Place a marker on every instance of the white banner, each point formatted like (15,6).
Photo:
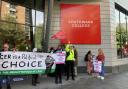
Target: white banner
(22,60)
(59,57)
(28,62)
(97,66)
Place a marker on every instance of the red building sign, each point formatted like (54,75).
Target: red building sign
(81,23)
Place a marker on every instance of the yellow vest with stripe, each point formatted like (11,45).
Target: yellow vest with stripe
(70,57)
(67,47)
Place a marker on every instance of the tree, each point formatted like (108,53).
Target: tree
(121,35)
(11,31)
(38,36)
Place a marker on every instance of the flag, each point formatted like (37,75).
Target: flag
(59,35)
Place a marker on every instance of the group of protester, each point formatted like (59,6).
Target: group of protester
(71,61)
(69,66)
(90,59)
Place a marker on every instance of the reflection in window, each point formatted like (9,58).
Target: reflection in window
(121,34)
(13,13)
(12,6)
(22,22)
(38,20)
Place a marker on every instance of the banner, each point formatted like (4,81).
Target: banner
(20,63)
(81,23)
(97,66)
(59,57)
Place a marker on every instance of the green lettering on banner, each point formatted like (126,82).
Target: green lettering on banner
(21,72)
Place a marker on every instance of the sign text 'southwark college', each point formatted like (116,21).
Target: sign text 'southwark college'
(81,23)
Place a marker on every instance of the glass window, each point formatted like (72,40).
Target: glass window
(12,6)
(12,13)
(25,31)
(121,34)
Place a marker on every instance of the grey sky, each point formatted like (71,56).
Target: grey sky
(39,17)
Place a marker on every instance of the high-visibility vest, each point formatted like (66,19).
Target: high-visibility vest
(67,47)
(70,57)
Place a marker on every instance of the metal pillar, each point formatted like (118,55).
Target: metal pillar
(48,25)
(0,8)
(31,29)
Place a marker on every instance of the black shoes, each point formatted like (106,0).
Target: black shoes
(8,87)
(56,82)
(34,84)
(37,82)
(73,78)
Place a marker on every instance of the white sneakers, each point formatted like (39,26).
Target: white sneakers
(100,77)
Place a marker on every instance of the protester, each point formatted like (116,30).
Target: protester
(70,61)
(101,58)
(52,50)
(59,67)
(89,62)
(5,49)
(49,61)
(35,76)
(76,60)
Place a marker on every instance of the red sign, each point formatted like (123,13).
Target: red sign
(81,23)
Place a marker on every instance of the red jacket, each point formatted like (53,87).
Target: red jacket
(100,58)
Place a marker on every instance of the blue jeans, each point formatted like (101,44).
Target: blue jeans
(7,78)
(102,70)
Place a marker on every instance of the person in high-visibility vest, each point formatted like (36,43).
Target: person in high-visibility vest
(70,61)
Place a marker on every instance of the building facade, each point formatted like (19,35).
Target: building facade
(13,10)
(109,19)
(26,15)
(113,29)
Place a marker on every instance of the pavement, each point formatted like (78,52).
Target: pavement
(45,83)
(82,81)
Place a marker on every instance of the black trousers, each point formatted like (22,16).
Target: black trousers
(70,69)
(8,80)
(58,73)
(35,78)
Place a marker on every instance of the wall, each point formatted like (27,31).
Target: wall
(105,30)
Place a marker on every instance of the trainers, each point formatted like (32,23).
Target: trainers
(102,78)
(98,76)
